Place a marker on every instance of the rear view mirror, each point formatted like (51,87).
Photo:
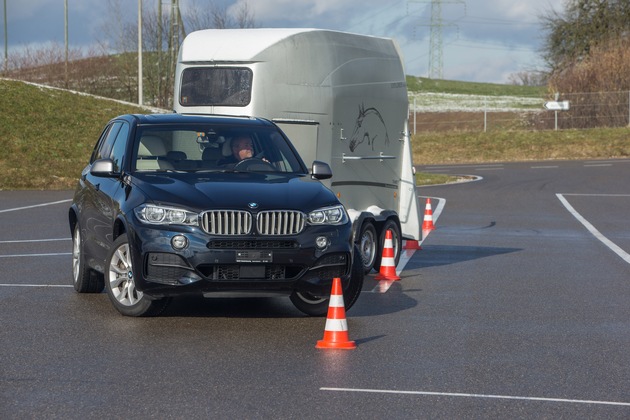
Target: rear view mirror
(321,170)
(103,168)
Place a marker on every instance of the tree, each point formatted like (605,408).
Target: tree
(584,24)
(161,35)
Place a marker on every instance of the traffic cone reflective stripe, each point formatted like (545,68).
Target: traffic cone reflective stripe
(388,263)
(427,224)
(336,330)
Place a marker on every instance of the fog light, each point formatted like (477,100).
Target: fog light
(179,242)
(321,242)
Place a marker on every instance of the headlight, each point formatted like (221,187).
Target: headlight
(161,215)
(335,215)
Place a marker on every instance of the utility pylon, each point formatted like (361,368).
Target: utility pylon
(436,47)
(436,63)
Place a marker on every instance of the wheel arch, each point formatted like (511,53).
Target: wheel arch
(72,218)
(120,227)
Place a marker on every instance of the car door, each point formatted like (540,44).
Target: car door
(100,208)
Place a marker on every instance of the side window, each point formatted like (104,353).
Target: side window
(104,147)
(120,145)
(99,143)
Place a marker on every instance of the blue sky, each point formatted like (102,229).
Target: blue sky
(482,40)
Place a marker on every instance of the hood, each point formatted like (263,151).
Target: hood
(234,191)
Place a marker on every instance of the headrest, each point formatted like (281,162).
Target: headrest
(151,146)
(227,148)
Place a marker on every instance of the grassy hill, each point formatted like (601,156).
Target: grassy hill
(47,135)
(425,85)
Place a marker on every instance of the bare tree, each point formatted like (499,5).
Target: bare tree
(529,78)
(214,16)
(163,29)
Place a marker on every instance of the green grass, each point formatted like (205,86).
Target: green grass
(48,135)
(422,84)
(519,145)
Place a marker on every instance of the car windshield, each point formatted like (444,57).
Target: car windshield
(214,148)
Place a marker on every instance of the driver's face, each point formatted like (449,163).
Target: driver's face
(242,148)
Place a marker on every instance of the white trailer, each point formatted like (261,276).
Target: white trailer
(340,97)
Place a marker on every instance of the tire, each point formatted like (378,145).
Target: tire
(396,242)
(121,287)
(85,280)
(368,246)
(318,305)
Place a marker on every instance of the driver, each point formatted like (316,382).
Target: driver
(242,148)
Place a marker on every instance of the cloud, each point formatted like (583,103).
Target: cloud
(328,14)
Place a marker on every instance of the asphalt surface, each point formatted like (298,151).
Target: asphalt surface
(517,306)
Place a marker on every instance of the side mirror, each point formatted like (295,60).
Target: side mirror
(321,170)
(103,168)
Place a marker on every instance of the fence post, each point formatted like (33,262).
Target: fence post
(485,114)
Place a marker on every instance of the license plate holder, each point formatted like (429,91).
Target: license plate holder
(254,256)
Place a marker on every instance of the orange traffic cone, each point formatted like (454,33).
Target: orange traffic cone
(427,224)
(412,244)
(336,330)
(388,264)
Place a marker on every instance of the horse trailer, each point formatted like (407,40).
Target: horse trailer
(339,97)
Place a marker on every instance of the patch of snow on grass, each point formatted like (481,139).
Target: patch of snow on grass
(446,102)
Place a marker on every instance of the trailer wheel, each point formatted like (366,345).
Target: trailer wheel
(396,242)
(368,246)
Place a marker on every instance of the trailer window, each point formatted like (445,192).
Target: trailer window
(216,86)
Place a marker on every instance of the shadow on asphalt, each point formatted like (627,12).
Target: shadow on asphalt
(439,255)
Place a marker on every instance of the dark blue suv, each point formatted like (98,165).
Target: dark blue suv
(167,207)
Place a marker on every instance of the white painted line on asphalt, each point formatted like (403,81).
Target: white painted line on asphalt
(490,396)
(611,161)
(596,195)
(595,165)
(36,205)
(35,255)
(481,168)
(610,244)
(545,167)
(496,165)
(22,241)
(35,285)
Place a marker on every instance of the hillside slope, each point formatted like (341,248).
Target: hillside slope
(47,135)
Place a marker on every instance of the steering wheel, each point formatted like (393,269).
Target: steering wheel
(254,164)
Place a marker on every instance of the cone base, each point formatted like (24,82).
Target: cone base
(344,345)
(412,245)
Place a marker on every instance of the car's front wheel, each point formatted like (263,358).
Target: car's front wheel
(121,286)
(318,305)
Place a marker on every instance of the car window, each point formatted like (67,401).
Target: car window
(209,147)
(105,144)
(117,154)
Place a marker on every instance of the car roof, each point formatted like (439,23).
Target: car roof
(174,118)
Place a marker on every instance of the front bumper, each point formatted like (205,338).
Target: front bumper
(211,264)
